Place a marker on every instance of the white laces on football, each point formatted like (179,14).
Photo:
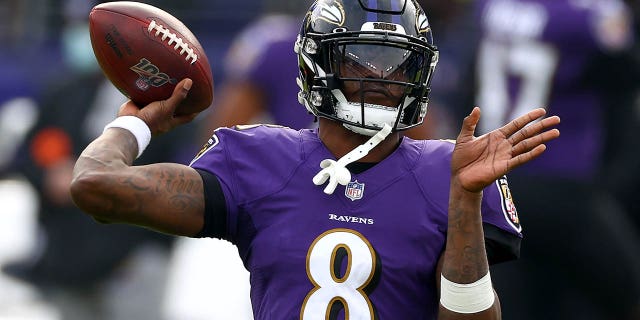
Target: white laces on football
(336,171)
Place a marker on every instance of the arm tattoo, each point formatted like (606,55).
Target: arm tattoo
(465,255)
(167,197)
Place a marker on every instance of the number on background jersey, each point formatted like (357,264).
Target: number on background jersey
(513,49)
(332,290)
(533,63)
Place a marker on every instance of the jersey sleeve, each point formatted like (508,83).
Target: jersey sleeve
(501,246)
(215,208)
(498,207)
(502,229)
(218,179)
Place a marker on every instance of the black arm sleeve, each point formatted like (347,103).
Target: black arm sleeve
(215,208)
(501,245)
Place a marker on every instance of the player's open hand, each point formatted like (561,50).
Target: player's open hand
(160,115)
(478,161)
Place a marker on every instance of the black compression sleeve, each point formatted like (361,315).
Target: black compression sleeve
(215,208)
(501,245)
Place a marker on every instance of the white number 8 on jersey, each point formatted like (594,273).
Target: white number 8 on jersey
(324,259)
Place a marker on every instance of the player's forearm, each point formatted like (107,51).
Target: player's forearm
(96,169)
(465,259)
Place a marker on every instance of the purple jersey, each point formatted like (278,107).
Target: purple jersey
(370,248)
(537,53)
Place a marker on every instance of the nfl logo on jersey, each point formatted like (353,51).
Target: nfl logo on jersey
(354,190)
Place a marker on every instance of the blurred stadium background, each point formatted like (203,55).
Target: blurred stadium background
(46,66)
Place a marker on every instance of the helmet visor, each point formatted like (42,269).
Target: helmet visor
(376,62)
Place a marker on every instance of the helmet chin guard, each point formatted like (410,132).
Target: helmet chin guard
(377,115)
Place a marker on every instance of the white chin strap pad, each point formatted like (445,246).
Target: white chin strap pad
(336,171)
(376,115)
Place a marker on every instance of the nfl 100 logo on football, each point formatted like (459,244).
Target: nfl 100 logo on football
(354,190)
(150,75)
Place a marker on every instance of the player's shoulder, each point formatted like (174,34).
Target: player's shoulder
(438,150)
(258,140)
(253,161)
(441,145)
(258,130)
(430,158)
(258,136)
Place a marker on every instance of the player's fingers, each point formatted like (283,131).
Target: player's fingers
(469,124)
(526,157)
(529,144)
(182,119)
(512,127)
(179,93)
(533,129)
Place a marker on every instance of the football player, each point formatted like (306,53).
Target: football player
(349,220)
(560,55)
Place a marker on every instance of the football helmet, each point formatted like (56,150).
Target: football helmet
(366,63)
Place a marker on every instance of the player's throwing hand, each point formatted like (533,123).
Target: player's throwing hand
(160,115)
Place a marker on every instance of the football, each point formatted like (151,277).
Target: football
(145,51)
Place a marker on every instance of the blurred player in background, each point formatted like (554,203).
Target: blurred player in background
(18,198)
(336,250)
(45,56)
(622,175)
(259,83)
(580,257)
(22,56)
(451,89)
(82,268)
(80,265)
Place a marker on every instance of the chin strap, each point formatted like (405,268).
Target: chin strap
(337,172)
